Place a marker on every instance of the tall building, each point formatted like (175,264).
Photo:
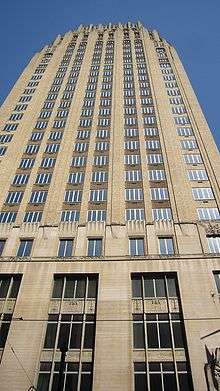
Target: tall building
(109,220)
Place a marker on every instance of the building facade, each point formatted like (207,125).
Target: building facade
(109,220)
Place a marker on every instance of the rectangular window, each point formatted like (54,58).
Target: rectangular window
(72,196)
(55,136)
(79,161)
(197,175)
(154,159)
(94,247)
(202,193)
(5,138)
(26,163)
(152,144)
(2,150)
(134,194)
(65,248)
(52,148)
(76,178)
(70,215)
(150,132)
(33,217)
(38,197)
(156,175)
(133,176)
(192,159)
(20,179)
(14,197)
(134,214)
(188,144)
(100,176)
(136,246)
(131,132)
(166,246)
(132,160)
(96,215)
(48,162)
(43,178)
(37,136)
(217,281)
(98,195)
(162,214)
(2,245)
(208,214)
(7,217)
(25,248)
(159,193)
(131,145)
(213,244)
(185,132)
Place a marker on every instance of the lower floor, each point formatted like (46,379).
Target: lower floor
(119,325)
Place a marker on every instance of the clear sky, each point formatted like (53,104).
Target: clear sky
(192,26)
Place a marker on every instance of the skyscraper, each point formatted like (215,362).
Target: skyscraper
(109,220)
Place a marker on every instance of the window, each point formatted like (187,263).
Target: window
(26,163)
(192,159)
(159,193)
(33,217)
(38,197)
(55,136)
(81,147)
(41,125)
(79,161)
(197,175)
(100,176)
(134,194)
(48,162)
(94,247)
(25,248)
(217,281)
(131,145)
(2,150)
(2,245)
(10,127)
(162,214)
(70,215)
(156,175)
(136,246)
(76,178)
(150,132)
(52,148)
(185,132)
(152,144)
(101,160)
(7,217)
(131,132)
(162,376)
(14,197)
(202,193)
(82,134)
(188,144)
(9,288)
(214,244)
(32,149)
(132,160)
(5,138)
(72,196)
(43,179)
(65,248)
(59,124)
(103,133)
(133,176)
(98,195)
(134,214)
(208,214)
(166,246)
(154,159)
(20,179)
(37,136)
(96,215)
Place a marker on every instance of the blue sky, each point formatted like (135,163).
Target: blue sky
(192,26)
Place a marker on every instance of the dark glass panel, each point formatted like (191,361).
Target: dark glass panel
(172,290)
(160,287)
(178,335)
(138,335)
(92,288)
(69,288)
(15,287)
(86,382)
(89,337)
(50,337)
(136,287)
(76,334)
(57,288)
(4,333)
(169,382)
(152,335)
(4,285)
(43,382)
(64,335)
(139,367)
(81,288)
(2,245)
(55,382)
(71,382)
(140,382)
(165,337)
(184,382)
(148,287)
(155,382)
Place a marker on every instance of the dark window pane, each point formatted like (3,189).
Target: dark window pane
(152,335)
(155,382)
(98,247)
(184,382)
(86,382)
(140,382)
(2,245)
(15,287)
(64,335)
(140,246)
(3,333)
(65,248)
(160,287)
(89,337)
(69,248)
(55,382)
(43,382)
(92,288)
(71,382)
(138,335)
(25,248)
(139,367)
(178,335)
(165,338)
(149,287)
(57,287)
(76,334)
(169,382)
(154,366)
(4,285)
(50,336)
(70,288)
(217,281)
(171,282)
(136,287)
(81,288)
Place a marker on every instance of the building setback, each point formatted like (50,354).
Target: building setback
(109,220)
